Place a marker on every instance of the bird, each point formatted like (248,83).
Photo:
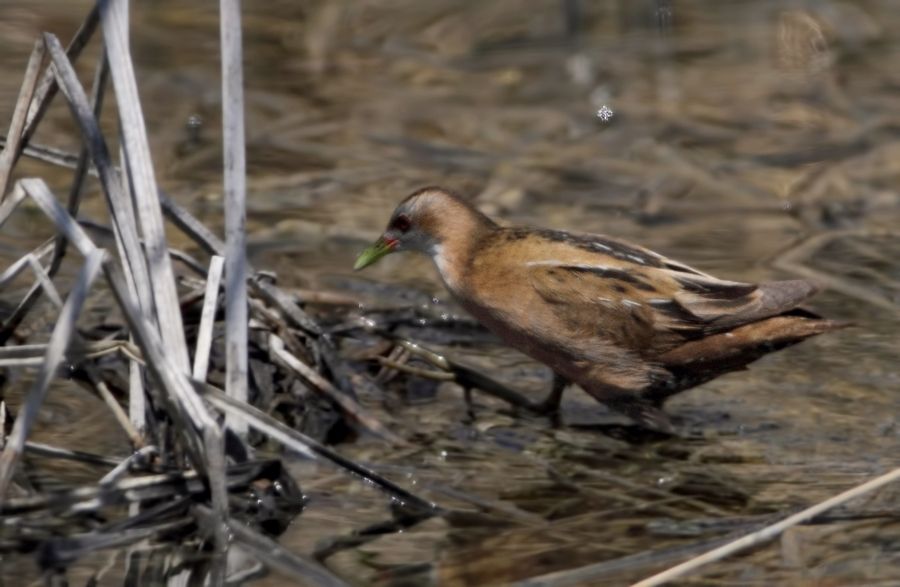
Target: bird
(627,325)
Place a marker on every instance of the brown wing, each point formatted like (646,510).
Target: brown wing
(646,301)
(587,300)
(651,308)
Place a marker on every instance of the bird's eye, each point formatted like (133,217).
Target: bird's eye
(401,223)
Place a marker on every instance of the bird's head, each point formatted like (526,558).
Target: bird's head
(422,223)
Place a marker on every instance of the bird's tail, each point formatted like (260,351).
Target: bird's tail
(698,361)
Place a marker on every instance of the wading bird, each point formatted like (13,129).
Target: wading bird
(627,325)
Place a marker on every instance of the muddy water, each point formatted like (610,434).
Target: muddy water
(753,139)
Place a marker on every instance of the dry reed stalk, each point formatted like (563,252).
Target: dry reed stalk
(74,194)
(114,22)
(236,310)
(769,532)
(158,265)
(121,212)
(142,282)
(47,87)
(186,407)
(9,205)
(32,260)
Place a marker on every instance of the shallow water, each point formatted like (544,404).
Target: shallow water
(753,139)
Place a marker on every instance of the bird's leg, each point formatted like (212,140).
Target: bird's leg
(470,404)
(551,404)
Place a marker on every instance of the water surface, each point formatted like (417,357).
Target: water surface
(753,139)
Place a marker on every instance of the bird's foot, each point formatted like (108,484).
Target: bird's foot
(646,415)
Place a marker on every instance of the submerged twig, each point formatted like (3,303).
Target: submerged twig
(346,403)
(45,450)
(306,446)
(467,377)
(137,441)
(424,373)
(275,556)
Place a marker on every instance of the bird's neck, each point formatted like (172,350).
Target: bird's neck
(460,238)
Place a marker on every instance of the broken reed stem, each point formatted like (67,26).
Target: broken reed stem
(137,399)
(63,332)
(81,169)
(205,239)
(208,318)
(13,150)
(83,350)
(236,310)
(17,124)
(216,465)
(769,532)
(121,469)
